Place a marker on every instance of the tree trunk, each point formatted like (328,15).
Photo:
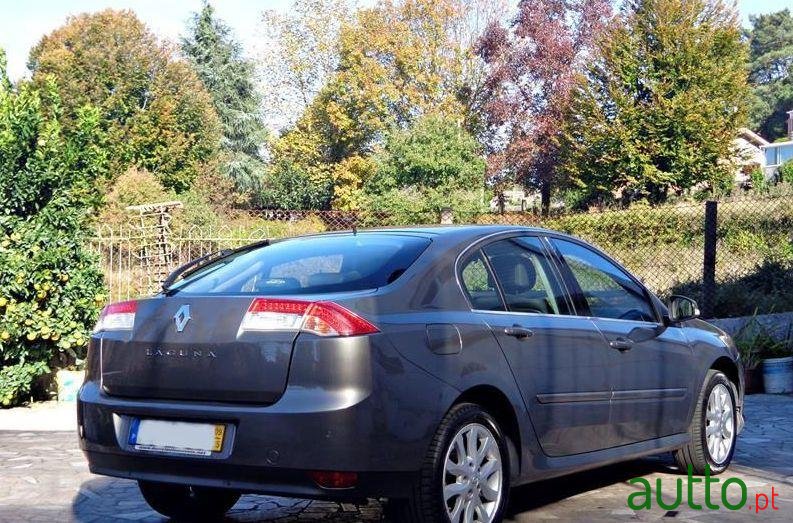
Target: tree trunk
(545,197)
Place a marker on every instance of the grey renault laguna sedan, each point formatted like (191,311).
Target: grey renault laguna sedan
(436,367)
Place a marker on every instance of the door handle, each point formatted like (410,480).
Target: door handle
(519,332)
(621,344)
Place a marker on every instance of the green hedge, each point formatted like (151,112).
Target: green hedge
(663,245)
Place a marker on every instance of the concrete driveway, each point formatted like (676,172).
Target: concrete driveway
(43,477)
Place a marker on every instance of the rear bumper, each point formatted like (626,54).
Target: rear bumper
(266,450)
(248,479)
(379,428)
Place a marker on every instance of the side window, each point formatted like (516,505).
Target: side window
(608,290)
(479,285)
(525,275)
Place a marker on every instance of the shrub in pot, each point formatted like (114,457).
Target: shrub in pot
(750,340)
(778,365)
(752,372)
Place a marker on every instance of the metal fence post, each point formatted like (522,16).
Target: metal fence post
(709,262)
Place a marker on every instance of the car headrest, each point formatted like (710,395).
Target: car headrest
(515,271)
(525,274)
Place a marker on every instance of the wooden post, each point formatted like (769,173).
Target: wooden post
(709,261)
(155,251)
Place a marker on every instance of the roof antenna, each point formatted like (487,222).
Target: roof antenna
(354,229)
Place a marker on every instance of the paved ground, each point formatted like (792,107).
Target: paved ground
(42,416)
(43,477)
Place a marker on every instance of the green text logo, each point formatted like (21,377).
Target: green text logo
(643,499)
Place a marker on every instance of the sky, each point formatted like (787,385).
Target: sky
(24,22)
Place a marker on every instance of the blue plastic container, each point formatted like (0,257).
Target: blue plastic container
(778,375)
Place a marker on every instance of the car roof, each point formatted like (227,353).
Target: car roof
(445,231)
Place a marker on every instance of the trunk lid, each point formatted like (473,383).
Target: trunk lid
(207,359)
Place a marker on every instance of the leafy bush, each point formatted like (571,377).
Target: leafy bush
(133,187)
(423,169)
(138,187)
(764,289)
(50,285)
(289,186)
(640,224)
(420,205)
(15,380)
(435,152)
(786,172)
(757,177)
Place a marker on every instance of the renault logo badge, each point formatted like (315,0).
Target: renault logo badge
(181,317)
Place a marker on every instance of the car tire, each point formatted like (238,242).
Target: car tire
(712,428)
(187,503)
(487,481)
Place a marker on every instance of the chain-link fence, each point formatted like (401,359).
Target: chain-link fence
(734,256)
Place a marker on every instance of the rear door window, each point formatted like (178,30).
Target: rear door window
(312,265)
(479,284)
(526,277)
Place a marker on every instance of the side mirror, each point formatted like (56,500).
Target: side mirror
(682,308)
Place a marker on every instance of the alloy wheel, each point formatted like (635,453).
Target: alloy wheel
(472,475)
(720,424)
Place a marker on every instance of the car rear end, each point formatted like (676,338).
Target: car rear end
(263,371)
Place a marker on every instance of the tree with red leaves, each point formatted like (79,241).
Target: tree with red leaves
(533,65)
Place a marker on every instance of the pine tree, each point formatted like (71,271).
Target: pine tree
(228,76)
(771,72)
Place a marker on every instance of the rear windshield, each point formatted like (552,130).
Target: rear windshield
(312,265)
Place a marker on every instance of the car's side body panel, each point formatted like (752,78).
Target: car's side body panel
(562,371)
(651,383)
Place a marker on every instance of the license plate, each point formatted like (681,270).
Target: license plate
(176,437)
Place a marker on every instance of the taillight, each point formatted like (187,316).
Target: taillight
(117,317)
(323,318)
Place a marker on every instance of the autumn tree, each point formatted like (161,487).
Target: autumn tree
(299,53)
(229,77)
(156,112)
(660,107)
(533,64)
(397,62)
(771,72)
